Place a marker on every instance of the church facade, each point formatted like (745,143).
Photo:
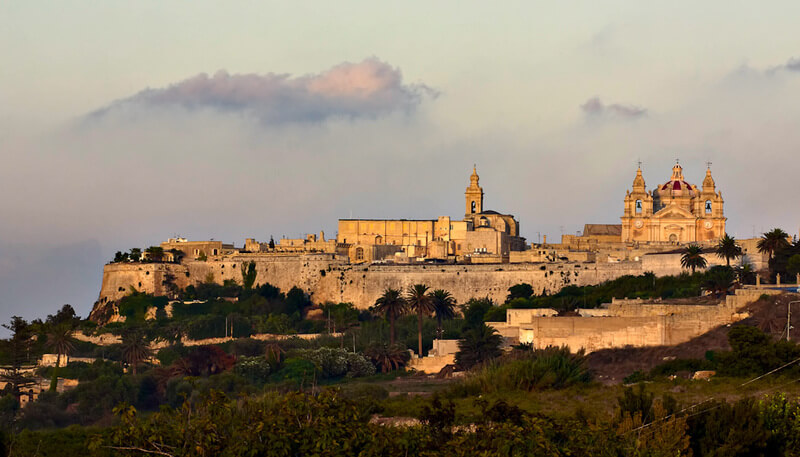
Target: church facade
(674,212)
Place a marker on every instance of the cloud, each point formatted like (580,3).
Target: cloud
(367,89)
(793,64)
(594,107)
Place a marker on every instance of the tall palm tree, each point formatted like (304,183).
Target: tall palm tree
(135,350)
(728,249)
(443,307)
(772,241)
(419,302)
(693,258)
(59,340)
(392,305)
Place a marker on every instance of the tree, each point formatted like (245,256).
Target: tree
(59,339)
(392,305)
(772,241)
(155,253)
(16,373)
(475,311)
(420,302)
(728,249)
(65,315)
(522,290)
(719,280)
(387,357)
(271,243)
(248,274)
(693,258)
(120,256)
(479,344)
(793,265)
(135,349)
(135,254)
(443,308)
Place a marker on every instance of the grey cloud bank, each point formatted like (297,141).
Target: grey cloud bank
(366,89)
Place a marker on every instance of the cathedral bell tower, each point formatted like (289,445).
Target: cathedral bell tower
(474,195)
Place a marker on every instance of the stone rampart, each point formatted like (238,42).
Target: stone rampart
(327,278)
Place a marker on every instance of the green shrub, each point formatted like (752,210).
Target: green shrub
(681,365)
(550,368)
(296,369)
(635,377)
(334,362)
(256,369)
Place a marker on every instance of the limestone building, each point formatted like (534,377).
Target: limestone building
(674,212)
(482,235)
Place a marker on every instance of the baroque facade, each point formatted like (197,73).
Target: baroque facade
(674,212)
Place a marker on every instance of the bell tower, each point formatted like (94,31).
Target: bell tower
(474,194)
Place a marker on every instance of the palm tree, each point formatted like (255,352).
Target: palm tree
(772,241)
(443,307)
(693,258)
(479,344)
(728,249)
(59,339)
(392,305)
(419,302)
(387,357)
(135,350)
(719,280)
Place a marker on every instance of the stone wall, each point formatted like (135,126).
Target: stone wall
(626,323)
(326,277)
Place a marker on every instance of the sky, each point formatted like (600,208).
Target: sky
(125,123)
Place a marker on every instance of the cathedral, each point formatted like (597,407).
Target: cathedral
(674,212)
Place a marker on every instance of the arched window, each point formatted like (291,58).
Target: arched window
(484,222)
(359,253)
(473,206)
(378,239)
(638,206)
(708,206)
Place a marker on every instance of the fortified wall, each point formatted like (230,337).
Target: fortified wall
(327,277)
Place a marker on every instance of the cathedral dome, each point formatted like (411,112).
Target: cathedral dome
(677,186)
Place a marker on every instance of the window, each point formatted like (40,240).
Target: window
(638,206)
(708,206)
(359,253)
(196,252)
(213,252)
(473,206)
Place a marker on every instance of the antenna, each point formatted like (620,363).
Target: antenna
(708,164)
(639,162)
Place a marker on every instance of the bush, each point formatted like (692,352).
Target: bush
(367,396)
(681,365)
(295,369)
(334,363)
(256,369)
(550,368)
